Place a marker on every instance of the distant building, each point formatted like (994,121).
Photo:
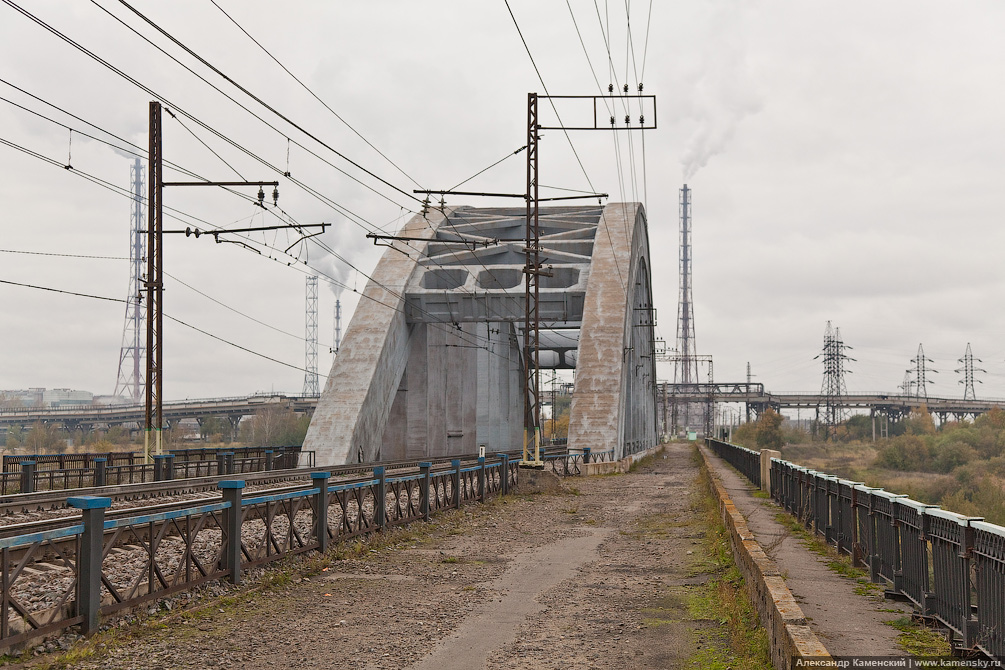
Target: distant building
(40,397)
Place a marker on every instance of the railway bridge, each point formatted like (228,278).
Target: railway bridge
(433,361)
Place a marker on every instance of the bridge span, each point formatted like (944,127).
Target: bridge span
(88,417)
(757,399)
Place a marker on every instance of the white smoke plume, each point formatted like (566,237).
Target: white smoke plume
(722,93)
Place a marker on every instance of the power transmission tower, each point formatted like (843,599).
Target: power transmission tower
(129,383)
(686,362)
(833,386)
(920,372)
(311,339)
(968,371)
(908,386)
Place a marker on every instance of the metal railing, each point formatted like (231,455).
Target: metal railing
(950,566)
(746,461)
(95,566)
(109,469)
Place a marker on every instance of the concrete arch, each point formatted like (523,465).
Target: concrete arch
(614,401)
(430,364)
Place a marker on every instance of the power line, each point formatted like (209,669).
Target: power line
(253,96)
(46,253)
(233,143)
(176,320)
(316,97)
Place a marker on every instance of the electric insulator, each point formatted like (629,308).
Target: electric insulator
(613,120)
(261,195)
(626,88)
(642,120)
(628,120)
(275,196)
(640,87)
(610,88)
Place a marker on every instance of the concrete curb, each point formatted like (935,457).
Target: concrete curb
(789,635)
(614,467)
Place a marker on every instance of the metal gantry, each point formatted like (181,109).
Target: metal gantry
(533,269)
(154,279)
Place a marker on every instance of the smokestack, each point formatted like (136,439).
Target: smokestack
(338,325)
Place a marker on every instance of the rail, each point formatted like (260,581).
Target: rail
(95,565)
(950,566)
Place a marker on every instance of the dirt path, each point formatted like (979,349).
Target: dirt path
(592,576)
(848,623)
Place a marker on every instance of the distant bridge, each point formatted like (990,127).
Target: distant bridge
(88,417)
(894,406)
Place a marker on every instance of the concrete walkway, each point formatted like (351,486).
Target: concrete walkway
(848,623)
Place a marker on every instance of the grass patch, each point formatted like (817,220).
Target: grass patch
(919,640)
(760,493)
(723,598)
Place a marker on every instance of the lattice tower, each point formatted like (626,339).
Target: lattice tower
(686,360)
(311,387)
(968,371)
(921,370)
(833,386)
(132,354)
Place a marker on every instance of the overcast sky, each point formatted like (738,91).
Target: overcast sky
(847,162)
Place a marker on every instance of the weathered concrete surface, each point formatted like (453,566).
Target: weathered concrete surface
(352,411)
(497,622)
(613,404)
(431,364)
(848,624)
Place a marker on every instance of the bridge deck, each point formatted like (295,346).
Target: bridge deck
(600,576)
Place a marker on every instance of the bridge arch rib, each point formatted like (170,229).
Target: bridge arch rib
(614,401)
(430,364)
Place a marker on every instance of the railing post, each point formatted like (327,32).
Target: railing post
(319,480)
(100,473)
(380,498)
(456,463)
(221,464)
(424,502)
(92,509)
(228,459)
(159,468)
(586,455)
(504,471)
(269,460)
(168,467)
(481,478)
(233,490)
(27,476)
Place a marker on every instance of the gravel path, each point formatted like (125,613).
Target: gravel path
(582,572)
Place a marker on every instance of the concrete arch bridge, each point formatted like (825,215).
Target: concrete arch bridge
(432,365)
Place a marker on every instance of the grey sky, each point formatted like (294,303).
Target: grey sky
(846,160)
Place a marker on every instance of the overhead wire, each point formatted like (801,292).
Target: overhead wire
(526,47)
(166,316)
(254,97)
(316,97)
(352,217)
(356,219)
